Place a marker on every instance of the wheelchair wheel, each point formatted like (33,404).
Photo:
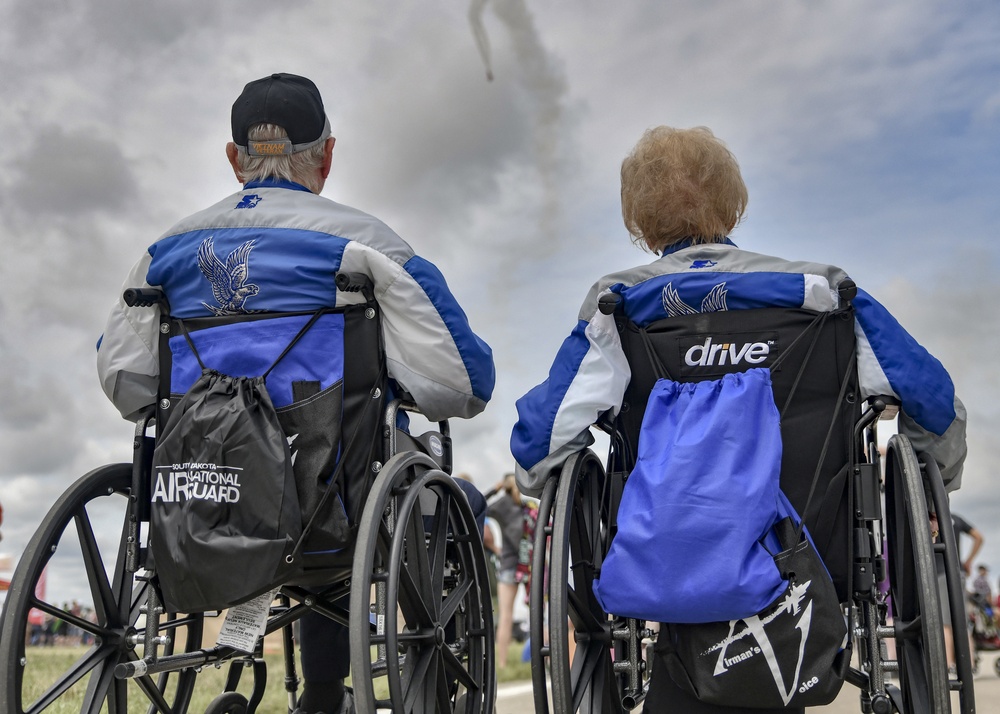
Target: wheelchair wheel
(598,679)
(228,703)
(71,660)
(421,610)
(919,634)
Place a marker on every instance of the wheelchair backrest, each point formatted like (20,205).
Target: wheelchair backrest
(810,356)
(322,388)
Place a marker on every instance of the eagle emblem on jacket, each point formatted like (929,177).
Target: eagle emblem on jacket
(229,279)
(715,301)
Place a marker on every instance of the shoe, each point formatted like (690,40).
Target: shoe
(346,705)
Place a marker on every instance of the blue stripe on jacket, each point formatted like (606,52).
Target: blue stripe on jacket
(536,410)
(475,353)
(280,257)
(743,291)
(918,378)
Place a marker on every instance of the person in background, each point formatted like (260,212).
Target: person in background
(507,509)
(981,584)
(961,528)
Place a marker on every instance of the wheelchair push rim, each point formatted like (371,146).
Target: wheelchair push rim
(918,625)
(430,645)
(578,538)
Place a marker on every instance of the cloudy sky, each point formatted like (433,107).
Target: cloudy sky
(868,133)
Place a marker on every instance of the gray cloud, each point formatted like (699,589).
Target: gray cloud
(69,173)
(867,134)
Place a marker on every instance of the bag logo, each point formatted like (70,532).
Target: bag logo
(715,301)
(205,482)
(229,280)
(708,354)
(792,604)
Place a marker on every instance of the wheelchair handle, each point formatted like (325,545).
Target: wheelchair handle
(355,282)
(144,297)
(607,304)
(847,289)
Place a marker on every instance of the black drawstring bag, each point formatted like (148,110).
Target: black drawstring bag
(225,516)
(793,653)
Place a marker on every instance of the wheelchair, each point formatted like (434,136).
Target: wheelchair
(420,611)
(584,659)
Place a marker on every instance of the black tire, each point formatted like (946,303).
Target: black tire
(435,650)
(228,703)
(580,540)
(923,668)
(539,599)
(72,541)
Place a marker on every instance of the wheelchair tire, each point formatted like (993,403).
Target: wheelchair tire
(579,541)
(228,703)
(70,543)
(918,624)
(420,570)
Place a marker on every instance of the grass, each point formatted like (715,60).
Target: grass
(46,664)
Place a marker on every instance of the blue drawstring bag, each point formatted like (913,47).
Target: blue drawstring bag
(697,512)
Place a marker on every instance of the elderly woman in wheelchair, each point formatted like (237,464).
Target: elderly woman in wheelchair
(737,390)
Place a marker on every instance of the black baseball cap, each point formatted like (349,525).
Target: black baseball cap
(286,100)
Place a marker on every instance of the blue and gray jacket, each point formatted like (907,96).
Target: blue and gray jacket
(590,373)
(275,246)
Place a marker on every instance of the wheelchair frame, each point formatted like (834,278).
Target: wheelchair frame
(420,614)
(610,665)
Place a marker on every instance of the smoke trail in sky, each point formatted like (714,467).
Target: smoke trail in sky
(542,85)
(479,32)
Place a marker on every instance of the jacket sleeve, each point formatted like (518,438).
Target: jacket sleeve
(891,362)
(588,376)
(431,349)
(127,353)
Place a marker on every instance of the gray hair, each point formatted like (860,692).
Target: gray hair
(299,168)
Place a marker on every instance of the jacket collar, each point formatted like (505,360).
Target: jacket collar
(275,183)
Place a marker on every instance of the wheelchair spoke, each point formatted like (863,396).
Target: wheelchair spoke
(413,605)
(105,604)
(101,682)
(583,613)
(417,559)
(155,694)
(439,540)
(61,614)
(79,669)
(416,681)
(443,695)
(457,669)
(454,600)
(583,675)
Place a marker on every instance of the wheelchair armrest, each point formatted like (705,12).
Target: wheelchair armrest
(886,406)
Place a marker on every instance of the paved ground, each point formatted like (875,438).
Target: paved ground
(515,698)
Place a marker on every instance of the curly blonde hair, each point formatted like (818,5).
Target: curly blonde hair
(681,183)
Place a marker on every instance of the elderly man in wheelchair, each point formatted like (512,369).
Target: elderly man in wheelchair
(271,349)
(740,394)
